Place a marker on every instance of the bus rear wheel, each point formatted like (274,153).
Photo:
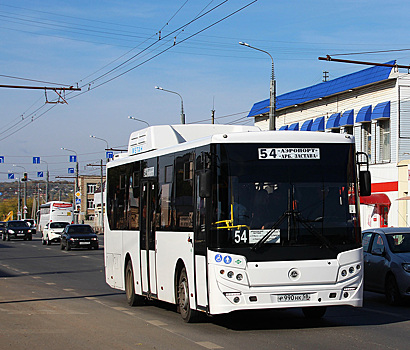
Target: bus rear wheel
(183,304)
(132,298)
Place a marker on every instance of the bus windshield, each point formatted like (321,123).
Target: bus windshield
(271,196)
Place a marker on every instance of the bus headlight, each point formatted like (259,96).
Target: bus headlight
(348,271)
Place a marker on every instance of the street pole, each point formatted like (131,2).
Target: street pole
(76,181)
(272,89)
(18,202)
(25,201)
(182,102)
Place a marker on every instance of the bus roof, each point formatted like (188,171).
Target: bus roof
(162,139)
(162,136)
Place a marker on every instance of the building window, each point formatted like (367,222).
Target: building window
(348,129)
(367,139)
(90,203)
(384,127)
(91,188)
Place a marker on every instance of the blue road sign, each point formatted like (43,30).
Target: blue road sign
(36,160)
(10,176)
(73,159)
(71,170)
(78,201)
(40,174)
(109,155)
(1,159)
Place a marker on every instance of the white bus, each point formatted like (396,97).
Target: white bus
(54,211)
(218,218)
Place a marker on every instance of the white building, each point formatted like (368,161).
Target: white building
(373,105)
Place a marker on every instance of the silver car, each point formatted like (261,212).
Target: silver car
(387,262)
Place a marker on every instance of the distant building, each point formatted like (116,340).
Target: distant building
(88,186)
(373,105)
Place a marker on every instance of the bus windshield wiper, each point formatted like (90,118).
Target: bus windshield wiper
(276,225)
(315,232)
(295,214)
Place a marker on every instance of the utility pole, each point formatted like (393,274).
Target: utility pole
(101,165)
(19,202)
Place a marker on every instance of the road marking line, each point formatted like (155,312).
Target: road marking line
(120,308)
(129,313)
(209,345)
(157,323)
(69,290)
(36,277)
(84,256)
(51,284)
(25,272)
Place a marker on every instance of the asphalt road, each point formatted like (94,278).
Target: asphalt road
(53,299)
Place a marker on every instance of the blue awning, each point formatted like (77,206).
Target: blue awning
(364,115)
(284,127)
(381,111)
(347,118)
(307,125)
(294,127)
(334,121)
(318,124)
(328,88)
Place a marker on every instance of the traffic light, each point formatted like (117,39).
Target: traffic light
(24,177)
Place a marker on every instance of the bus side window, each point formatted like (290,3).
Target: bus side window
(184,191)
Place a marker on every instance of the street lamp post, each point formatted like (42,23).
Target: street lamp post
(272,90)
(47,181)
(182,102)
(101,185)
(25,195)
(139,120)
(106,142)
(76,176)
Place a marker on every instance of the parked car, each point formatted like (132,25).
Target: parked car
(33,225)
(17,229)
(2,226)
(387,262)
(78,236)
(52,232)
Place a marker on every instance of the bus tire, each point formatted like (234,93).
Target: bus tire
(132,298)
(314,312)
(183,304)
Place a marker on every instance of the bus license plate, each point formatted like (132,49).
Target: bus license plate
(293,297)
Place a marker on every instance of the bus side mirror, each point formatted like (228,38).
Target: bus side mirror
(205,185)
(365,183)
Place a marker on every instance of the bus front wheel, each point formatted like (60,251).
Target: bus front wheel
(132,298)
(314,312)
(183,304)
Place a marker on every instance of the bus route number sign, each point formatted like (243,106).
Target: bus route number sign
(289,153)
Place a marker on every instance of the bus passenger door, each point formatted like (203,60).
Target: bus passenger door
(200,250)
(147,246)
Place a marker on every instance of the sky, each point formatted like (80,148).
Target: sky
(118,51)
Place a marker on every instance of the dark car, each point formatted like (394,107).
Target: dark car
(2,226)
(17,229)
(78,236)
(387,262)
